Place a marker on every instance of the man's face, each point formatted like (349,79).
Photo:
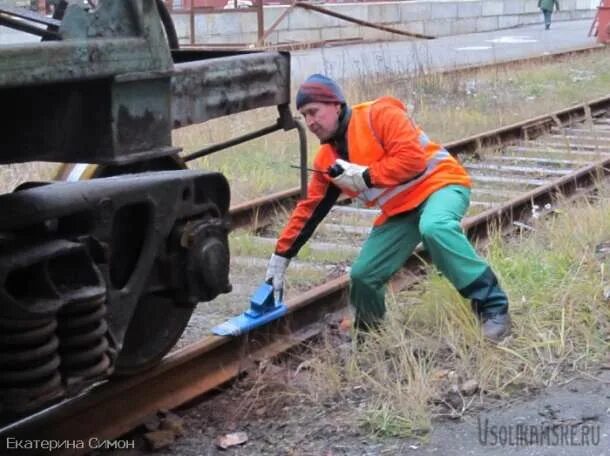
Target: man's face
(322,119)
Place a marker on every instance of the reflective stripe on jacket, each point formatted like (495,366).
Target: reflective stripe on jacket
(380,196)
(405,167)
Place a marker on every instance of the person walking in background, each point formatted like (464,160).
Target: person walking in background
(388,162)
(546,6)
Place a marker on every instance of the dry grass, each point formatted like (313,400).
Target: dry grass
(455,105)
(14,174)
(415,366)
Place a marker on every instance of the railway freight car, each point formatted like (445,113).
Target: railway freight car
(99,277)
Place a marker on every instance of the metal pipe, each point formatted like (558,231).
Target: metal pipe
(233,142)
(279,125)
(33,16)
(303,155)
(261,40)
(27,28)
(192,24)
(260,20)
(168,24)
(319,9)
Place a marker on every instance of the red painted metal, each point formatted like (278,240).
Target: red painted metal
(603,22)
(214,4)
(186,4)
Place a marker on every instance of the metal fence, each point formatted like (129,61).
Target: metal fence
(43,6)
(182,5)
(185,5)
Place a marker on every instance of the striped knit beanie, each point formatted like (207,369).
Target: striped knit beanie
(321,89)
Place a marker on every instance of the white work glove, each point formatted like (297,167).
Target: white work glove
(276,269)
(352,178)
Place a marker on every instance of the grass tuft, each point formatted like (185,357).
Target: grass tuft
(417,365)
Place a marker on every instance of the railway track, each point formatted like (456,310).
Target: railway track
(516,170)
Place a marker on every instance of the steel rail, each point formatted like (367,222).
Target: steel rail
(115,407)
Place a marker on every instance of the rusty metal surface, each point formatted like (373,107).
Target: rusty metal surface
(118,37)
(100,94)
(212,88)
(245,214)
(75,61)
(116,265)
(109,93)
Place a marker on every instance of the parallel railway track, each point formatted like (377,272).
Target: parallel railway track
(564,153)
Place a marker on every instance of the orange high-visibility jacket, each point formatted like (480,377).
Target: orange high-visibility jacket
(405,167)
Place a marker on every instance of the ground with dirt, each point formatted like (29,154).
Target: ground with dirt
(570,419)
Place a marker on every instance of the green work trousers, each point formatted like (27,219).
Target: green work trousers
(436,223)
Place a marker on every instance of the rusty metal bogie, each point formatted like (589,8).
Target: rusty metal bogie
(100,277)
(84,258)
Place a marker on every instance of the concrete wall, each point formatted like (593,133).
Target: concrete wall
(431,17)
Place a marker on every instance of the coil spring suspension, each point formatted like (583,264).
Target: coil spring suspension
(29,362)
(83,339)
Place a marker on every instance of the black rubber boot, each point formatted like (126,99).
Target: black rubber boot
(363,328)
(368,325)
(496,327)
(490,303)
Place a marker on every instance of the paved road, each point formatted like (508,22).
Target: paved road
(569,420)
(447,52)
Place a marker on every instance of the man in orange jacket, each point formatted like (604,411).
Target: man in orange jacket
(422,191)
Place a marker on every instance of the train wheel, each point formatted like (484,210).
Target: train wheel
(156,325)
(159,320)
(168,163)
